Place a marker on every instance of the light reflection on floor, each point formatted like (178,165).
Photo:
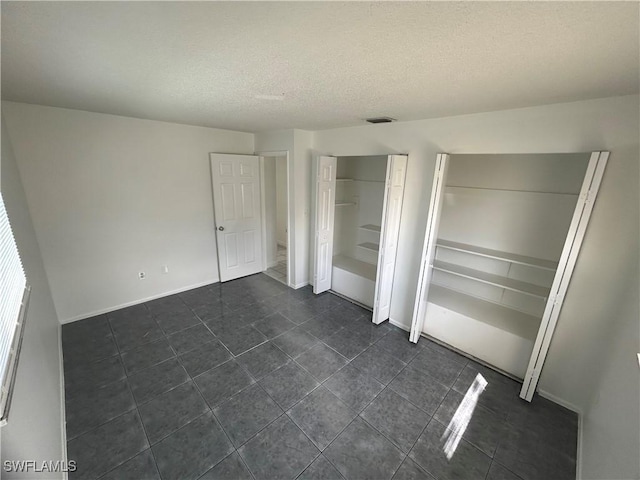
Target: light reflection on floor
(460,420)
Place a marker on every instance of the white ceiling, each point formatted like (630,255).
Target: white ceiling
(332,64)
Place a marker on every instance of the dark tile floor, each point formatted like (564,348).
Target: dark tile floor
(250,379)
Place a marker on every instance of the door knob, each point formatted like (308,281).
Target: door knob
(221,229)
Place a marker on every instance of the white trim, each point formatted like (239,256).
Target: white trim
(63,416)
(137,302)
(399,325)
(300,285)
(579,455)
(561,402)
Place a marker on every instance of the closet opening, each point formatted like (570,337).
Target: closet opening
(503,235)
(275,188)
(358,203)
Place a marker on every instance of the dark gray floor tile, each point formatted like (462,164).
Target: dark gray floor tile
(210,311)
(361,452)
(443,350)
(204,357)
(262,360)
(342,316)
(534,453)
(191,451)
(89,350)
(219,384)
(158,379)
(186,340)
(147,356)
(288,384)
(321,469)
(240,340)
(410,471)
(321,416)
(171,303)
(354,387)
(498,472)
(84,330)
(396,418)
(140,467)
(366,330)
(129,314)
(437,443)
(89,376)
(295,342)
(227,322)
(231,468)
(500,394)
(93,408)
(321,328)
(177,320)
(131,332)
(481,427)
(246,413)
(421,390)
(541,413)
(298,314)
(104,448)
(171,411)
(321,361)
(280,451)
(378,363)
(397,344)
(349,346)
(438,366)
(256,311)
(274,325)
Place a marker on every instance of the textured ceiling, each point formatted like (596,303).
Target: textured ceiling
(314,65)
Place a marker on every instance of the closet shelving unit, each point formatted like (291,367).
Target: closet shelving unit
(502,238)
(356,231)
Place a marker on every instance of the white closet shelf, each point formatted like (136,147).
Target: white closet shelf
(371,228)
(344,179)
(358,267)
(452,189)
(492,279)
(344,204)
(374,247)
(499,316)
(498,255)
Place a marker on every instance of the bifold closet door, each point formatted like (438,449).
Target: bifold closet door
(389,233)
(577,229)
(429,247)
(237,206)
(324,220)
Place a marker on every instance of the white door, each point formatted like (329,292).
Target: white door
(389,233)
(237,208)
(429,247)
(568,258)
(325,210)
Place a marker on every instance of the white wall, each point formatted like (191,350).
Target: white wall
(111,196)
(281,200)
(597,308)
(35,430)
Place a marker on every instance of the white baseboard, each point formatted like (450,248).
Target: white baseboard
(137,302)
(399,325)
(300,285)
(561,402)
(63,413)
(579,449)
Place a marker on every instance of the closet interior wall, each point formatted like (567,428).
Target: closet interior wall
(360,188)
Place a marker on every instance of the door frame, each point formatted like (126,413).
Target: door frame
(290,233)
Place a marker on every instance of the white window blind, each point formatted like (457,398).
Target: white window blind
(14,295)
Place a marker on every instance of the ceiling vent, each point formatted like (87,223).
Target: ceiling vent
(380,120)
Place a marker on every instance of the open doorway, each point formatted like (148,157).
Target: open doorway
(276,216)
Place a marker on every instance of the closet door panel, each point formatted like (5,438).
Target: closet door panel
(391,212)
(324,222)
